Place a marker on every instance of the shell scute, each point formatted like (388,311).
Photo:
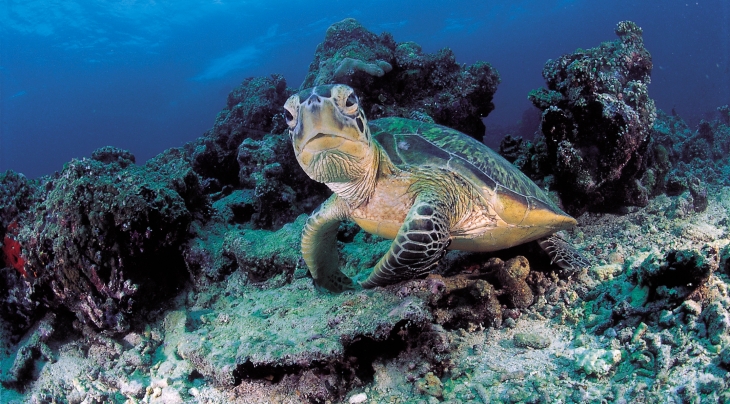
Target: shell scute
(424,144)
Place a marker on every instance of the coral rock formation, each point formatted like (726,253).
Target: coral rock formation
(678,273)
(398,79)
(281,190)
(18,195)
(512,277)
(31,348)
(682,160)
(253,109)
(246,148)
(596,120)
(104,242)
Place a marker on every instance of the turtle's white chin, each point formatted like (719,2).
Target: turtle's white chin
(323,142)
(329,158)
(331,166)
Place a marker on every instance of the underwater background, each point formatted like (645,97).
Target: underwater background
(148,75)
(158,230)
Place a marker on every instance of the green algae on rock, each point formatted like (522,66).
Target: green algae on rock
(295,328)
(597,362)
(531,340)
(267,257)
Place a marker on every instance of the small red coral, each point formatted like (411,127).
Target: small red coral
(11,249)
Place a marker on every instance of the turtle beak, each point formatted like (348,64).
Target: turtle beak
(324,138)
(322,127)
(318,129)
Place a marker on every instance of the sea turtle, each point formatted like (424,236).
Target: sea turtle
(425,186)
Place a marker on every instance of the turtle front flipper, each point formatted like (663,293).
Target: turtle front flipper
(563,254)
(319,245)
(418,246)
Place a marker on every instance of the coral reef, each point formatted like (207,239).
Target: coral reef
(349,66)
(678,273)
(484,294)
(19,303)
(17,195)
(601,147)
(281,190)
(104,242)
(512,276)
(463,302)
(350,54)
(223,247)
(113,155)
(247,337)
(11,249)
(252,110)
(398,79)
(596,121)
(246,148)
(685,161)
(184,282)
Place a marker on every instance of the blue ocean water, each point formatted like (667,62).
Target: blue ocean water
(149,75)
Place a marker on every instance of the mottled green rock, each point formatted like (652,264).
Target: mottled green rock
(717,320)
(294,326)
(597,362)
(725,358)
(430,385)
(531,340)
(725,259)
(639,295)
(105,240)
(639,332)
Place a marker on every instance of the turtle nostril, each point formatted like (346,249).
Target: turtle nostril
(313,98)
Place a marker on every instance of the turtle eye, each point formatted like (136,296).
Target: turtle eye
(290,120)
(351,100)
(290,113)
(291,110)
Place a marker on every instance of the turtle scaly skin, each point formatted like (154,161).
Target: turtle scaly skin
(427,187)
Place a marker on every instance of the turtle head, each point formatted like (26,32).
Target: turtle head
(329,133)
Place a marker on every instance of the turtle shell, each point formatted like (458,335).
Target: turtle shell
(414,143)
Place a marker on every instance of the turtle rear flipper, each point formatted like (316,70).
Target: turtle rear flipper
(563,254)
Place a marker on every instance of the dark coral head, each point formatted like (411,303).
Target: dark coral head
(628,31)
